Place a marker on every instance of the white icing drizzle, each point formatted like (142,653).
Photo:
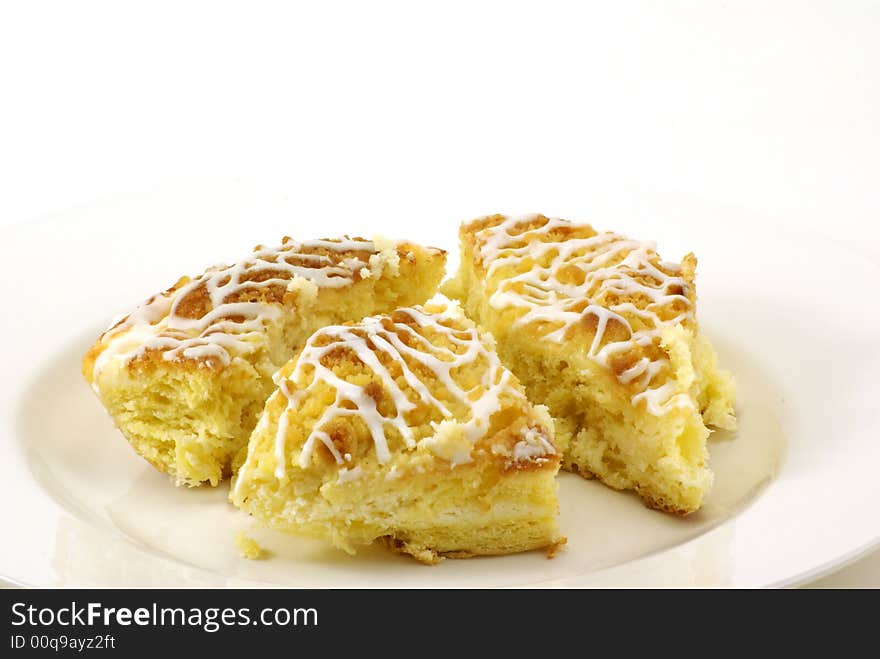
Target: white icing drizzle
(608,263)
(230,325)
(534,445)
(406,344)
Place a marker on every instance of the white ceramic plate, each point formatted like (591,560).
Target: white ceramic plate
(796,487)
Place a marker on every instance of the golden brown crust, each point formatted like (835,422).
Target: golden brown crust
(423,555)
(604,332)
(429,556)
(493,449)
(502,250)
(189,298)
(406,428)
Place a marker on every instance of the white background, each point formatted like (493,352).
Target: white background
(410,112)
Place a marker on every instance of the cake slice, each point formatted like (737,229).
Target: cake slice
(186,374)
(404,428)
(602,331)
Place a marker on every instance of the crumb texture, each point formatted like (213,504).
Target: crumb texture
(248,547)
